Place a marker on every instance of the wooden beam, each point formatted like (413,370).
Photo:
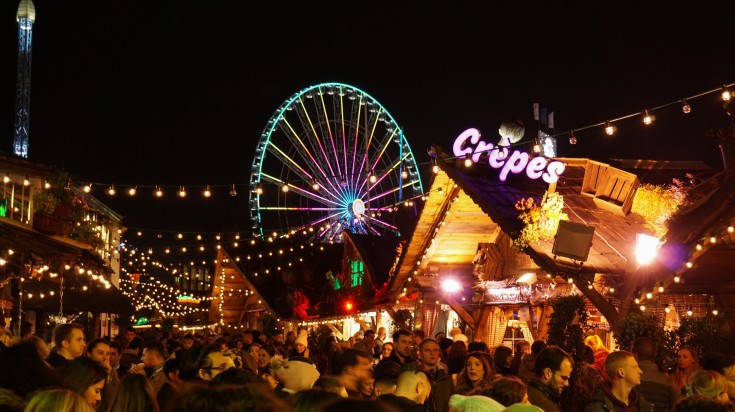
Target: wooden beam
(463,314)
(337,333)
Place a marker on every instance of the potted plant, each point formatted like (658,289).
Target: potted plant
(53,207)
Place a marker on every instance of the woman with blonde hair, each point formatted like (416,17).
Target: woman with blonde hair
(600,352)
(707,383)
(55,400)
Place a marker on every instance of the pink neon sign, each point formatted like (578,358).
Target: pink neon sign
(499,158)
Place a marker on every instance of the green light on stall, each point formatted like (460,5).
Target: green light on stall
(3,207)
(142,321)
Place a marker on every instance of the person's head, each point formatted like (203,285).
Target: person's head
(301,342)
(278,336)
(477,366)
(621,366)
(725,366)
(331,383)
(386,350)
(537,346)
(290,336)
(228,398)
(418,336)
(352,366)
(265,354)
(698,403)
(171,370)
(429,353)
(369,335)
(367,385)
(115,353)
(458,349)
(502,357)
(384,384)
(554,367)
(222,342)
(644,349)
(402,343)
(99,351)
(69,340)
(247,337)
(254,349)
(24,370)
(54,400)
(85,377)
(26,329)
(235,376)
(154,354)
(477,346)
(594,342)
(413,383)
(40,344)
(381,333)
(203,362)
(439,336)
(708,383)
(523,347)
(135,393)
(130,334)
(187,341)
(686,358)
(310,400)
(506,390)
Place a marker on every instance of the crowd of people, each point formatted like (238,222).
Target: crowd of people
(370,371)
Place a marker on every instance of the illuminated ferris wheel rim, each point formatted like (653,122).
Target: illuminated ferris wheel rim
(305,140)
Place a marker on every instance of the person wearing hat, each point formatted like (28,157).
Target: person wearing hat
(300,345)
(296,374)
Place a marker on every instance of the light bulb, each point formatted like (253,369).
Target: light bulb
(609,129)
(159,192)
(373,178)
(233,190)
(467,162)
(648,118)
(87,188)
(182,192)
(435,169)
(685,107)
(131,191)
(572,138)
(726,96)
(207,192)
(111,191)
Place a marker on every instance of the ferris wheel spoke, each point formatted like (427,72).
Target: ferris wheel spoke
(299,145)
(328,124)
(383,223)
(393,190)
(305,193)
(386,173)
(306,120)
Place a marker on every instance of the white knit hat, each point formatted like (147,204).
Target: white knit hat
(476,403)
(302,339)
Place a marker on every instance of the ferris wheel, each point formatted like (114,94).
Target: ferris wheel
(331,158)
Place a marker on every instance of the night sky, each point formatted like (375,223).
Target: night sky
(177,93)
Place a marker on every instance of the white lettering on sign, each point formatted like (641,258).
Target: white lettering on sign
(468,143)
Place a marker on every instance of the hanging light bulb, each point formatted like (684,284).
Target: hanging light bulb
(689,311)
(609,128)
(132,191)
(284,188)
(26,182)
(46,184)
(6,178)
(373,178)
(111,190)
(404,172)
(685,107)
(207,192)
(182,192)
(233,190)
(315,185)
(648,118)
(258,189)
(158,192)
(86,188)
(667,309)
(677,279)
(536,146)
(726,96)
(715,311)
(572,138)
(468,162)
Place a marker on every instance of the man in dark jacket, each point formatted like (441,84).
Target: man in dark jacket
(618,394)
(401,355)
(442,386)
(553,368)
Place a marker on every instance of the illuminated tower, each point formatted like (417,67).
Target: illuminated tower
(25,17)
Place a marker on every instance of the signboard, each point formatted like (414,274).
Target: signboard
(468,143)
(189,299)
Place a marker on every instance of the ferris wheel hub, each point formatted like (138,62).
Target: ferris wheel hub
(358,207)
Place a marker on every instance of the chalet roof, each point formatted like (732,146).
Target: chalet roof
(378,253)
